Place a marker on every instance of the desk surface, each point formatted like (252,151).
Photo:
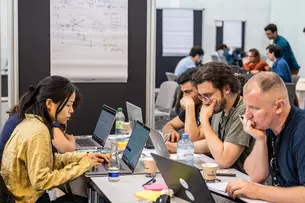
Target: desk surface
(131,184)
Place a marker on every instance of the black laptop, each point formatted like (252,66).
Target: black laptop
(187,182)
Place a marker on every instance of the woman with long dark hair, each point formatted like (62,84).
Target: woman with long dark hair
(30,165)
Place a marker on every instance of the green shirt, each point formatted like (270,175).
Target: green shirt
(230,129)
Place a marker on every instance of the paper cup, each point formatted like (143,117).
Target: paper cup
(209,171)
(150,167)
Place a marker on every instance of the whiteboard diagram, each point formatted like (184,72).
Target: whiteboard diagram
(89,40)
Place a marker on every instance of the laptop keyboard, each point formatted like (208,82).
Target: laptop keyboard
(85,143)
(221,199)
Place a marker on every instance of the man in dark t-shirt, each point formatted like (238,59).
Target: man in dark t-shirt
(189,115)
(278,128)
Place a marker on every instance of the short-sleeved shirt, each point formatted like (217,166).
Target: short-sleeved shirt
(291,153)
(197,112)
(287,52)
(281,68)
(183,65)
(230,129)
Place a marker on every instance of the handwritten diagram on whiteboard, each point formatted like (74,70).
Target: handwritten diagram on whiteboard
(89,40)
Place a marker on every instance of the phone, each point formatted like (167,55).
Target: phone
(225,172)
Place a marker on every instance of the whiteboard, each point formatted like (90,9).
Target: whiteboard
(89,40)
(232,33)
(178,32)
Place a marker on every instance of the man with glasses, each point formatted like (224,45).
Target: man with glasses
(225,139)
(189,115)
(278,128)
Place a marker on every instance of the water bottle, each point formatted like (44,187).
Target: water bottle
(185,150)
(119,122)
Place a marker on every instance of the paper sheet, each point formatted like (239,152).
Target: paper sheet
(221,187)
(89,40)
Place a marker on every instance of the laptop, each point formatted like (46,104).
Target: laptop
(159,144)
(101,131)
(135,114)
(132,152)
(187,182)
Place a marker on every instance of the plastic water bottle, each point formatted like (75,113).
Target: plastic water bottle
(119,122)
(185,150)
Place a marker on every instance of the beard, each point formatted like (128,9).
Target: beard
(221,104)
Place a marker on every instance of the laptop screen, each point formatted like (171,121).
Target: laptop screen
(104,124)
(135,144)
(134,114)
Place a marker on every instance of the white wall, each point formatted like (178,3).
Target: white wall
(255,13)
(289,16)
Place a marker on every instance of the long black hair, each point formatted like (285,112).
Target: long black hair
(56,88)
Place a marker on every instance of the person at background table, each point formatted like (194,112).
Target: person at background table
(220,49)
(188,117)
(280,67)
(254,63)
(224,137)
(231,55)
(30,165)
(278,128)
(192,60)
(287,53)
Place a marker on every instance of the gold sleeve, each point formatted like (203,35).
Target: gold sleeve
(61,160)
(39,164)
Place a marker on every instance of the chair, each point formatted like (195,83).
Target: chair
(165,99)
(295,79)
(291,92)
(171,76)
(5,195)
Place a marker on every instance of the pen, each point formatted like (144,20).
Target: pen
(168,135)
(153,180)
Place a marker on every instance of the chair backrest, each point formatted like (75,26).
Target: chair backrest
(295,79)
(5,195)
(171,76)
(166,95)
(291,92)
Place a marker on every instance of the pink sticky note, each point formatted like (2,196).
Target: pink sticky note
(155,187)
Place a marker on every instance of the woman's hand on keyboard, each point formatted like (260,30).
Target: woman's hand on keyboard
(98,158)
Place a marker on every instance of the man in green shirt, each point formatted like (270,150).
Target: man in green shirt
(224,137)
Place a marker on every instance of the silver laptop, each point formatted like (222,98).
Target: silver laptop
(101,131)
(132,152)
(189,184)
(159,144)
(135,114)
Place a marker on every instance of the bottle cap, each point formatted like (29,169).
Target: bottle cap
(120,109)
(185,136)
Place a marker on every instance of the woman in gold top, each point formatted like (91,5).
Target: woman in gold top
(30,165)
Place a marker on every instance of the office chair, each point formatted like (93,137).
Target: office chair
(295,79)
(5,195)
(165,99)
(171,76)
(291,92)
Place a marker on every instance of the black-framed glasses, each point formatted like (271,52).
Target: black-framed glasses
(206,97)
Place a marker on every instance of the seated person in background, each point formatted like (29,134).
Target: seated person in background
(225,139)
(231,55)
(191,61)
(30,165)
(254,63)
(220,49)
(279,66)
(189,115)
(278,129)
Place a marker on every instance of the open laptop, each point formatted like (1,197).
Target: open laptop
(187,182)
(101,131)
(135,114)
(132,152)
(159,144)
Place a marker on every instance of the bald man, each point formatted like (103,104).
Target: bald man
(279,150)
